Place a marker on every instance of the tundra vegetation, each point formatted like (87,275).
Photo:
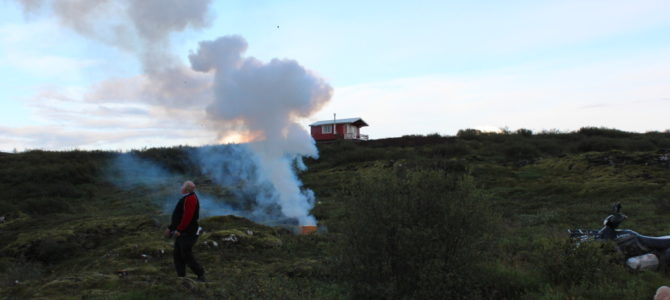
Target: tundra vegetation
(474,216)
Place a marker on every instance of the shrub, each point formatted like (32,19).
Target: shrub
(551,147)
(414,236)
(592,270)
(450,150)
(468,133)
(600,144)
(43,206)
(524,132)
(20,271)
(586,263)
(519,151)
(602,131)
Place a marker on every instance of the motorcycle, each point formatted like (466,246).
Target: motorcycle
(641,252)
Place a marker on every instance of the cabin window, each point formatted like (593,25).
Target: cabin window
(326,129)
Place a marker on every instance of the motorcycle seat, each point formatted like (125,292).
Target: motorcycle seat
(652,242)
(658,243)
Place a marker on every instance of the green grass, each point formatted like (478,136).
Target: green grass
(401,218)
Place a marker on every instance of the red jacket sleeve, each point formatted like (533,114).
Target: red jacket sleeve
(189,209)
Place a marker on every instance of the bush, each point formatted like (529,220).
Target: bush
(422,235)
(592,270)
(520,151)
(551,147)
(587,263)
(42,182)
(600,144)
(605,132)
(524,132)
(20,271)
(450,150)
(468,133)
(43,206)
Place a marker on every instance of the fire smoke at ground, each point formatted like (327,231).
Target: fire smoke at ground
(234,169)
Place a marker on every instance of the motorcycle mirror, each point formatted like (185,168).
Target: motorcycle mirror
(617,207)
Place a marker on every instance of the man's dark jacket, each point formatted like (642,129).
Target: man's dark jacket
(186,214)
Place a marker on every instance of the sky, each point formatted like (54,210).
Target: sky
(405,67)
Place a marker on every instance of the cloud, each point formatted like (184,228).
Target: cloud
(66,138)
(568,22)
(105,110)
(31,6)
(68,121)
(38,52)
(49,66)
(619,93)
(594,106)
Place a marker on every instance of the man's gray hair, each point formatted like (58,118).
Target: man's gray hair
(188,186)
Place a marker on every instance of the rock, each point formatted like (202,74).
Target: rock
(122,273)
(211,244)
(231,238)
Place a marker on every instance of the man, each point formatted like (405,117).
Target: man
(185,228)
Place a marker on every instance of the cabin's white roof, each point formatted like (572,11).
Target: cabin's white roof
(339,121)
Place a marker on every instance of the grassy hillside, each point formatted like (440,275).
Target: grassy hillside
(473,216)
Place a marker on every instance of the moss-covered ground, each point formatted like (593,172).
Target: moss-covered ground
(70,234)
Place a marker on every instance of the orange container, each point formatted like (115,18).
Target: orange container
(307,229)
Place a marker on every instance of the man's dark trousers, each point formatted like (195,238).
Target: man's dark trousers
(183,255)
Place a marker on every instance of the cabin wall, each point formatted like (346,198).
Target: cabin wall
(319,136)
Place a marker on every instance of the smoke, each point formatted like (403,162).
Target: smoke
(130,171)
(156,183)
(238,185)
(176,88)
(243,100)
(141,27)
(264,100)
(170,91)
(239,170)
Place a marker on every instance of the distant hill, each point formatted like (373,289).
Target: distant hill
(477,215)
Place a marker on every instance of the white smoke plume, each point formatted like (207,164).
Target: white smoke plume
(142,27)
(256,102)
(176,88)
(264,101)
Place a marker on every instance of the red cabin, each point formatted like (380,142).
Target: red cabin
(348,129)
